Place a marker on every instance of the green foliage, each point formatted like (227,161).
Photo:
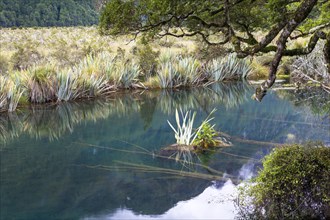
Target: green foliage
(45,13)
(202,137)
(205,134)
(294,184)
(127,74)
(184,133)
(188,69)
(147,59)
(10,94)
(319,16)
(42,84)
(205,137)
(121,16)
(167,75)
(118,15)
(246,27)
(227,68)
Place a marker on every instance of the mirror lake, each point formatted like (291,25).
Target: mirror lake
(99,159)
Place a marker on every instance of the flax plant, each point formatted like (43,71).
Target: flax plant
(10,94)
(188,70)
(167,75)
(41,84)
(184,134)
(126,75)
(227,68)
(68,87)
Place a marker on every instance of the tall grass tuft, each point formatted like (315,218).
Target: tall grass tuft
(188,70)
(227,68)
(108,63)
(3,93)
(94,85)
(68,87)
(167,75)
(10,94)
(126,75)
(184,133)
(41,83)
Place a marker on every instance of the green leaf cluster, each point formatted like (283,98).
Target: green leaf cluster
(294,184)
(320,16)
(206,136)
(121,16)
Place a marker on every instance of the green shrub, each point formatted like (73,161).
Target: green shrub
(147,59)
(293,184)
(207,53)
(125,74)
(206,137)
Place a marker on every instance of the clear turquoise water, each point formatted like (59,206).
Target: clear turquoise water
(83,160)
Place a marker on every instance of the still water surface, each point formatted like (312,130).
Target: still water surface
(98,159)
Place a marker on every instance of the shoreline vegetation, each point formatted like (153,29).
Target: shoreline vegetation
(52,65)
(55,65)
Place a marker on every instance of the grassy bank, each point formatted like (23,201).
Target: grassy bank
(64,64)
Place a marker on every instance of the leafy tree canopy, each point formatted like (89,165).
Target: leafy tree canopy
(15,13)
(233,23)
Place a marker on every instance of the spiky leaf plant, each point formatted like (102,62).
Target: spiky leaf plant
(41,84)
(3,93)
(227,68)
(184,134)
(126,74)
(167,75)
(68,87)
(188,70)
(10,94)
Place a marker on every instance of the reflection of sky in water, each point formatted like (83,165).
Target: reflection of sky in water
(213,203)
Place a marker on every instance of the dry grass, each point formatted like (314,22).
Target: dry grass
(66,46)
(63,64)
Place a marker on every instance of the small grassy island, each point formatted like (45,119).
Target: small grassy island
(188,140)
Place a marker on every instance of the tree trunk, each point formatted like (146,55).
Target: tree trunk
(300,15)
(326,51)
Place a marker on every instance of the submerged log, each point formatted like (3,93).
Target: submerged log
(175,148)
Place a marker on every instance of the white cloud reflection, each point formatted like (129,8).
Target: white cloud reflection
(213,203)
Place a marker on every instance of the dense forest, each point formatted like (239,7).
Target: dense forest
(29,13)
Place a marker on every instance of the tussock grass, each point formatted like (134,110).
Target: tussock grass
(227,68)
(41,83)
(65,64)
(10,94)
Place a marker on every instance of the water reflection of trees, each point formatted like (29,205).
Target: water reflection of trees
(316,99)
(228,94)
(53,121)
